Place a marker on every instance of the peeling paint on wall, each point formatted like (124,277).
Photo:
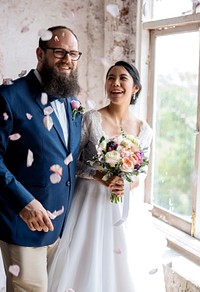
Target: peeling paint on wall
(103,38)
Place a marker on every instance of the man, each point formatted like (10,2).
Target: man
(39,143)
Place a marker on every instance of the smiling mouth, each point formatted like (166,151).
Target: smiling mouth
(117,92)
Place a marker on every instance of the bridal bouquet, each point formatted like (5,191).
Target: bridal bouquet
(121,156)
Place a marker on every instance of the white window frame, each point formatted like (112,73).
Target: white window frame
(182,231)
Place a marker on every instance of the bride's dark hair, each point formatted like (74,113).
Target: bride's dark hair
(132,70)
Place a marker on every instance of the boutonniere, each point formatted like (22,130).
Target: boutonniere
(76,108)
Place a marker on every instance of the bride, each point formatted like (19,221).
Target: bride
(92,255)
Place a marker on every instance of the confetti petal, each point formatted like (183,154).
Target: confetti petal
(48,110)
(44,98)
(14,270)
(104,62)
(15,137)
(117,251)
(7,81)
(70,290)
(55,178)
(113,9)
(45,35)
(153,271)
(30,158)
(29,116)
(68,159)
(48,122)
(25,29)
(57,169)
(23,72)
(56,38)
(91,104)
(5,116)
(55,213)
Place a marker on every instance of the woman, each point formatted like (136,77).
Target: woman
(92,256)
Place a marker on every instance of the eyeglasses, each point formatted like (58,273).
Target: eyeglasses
(61,53)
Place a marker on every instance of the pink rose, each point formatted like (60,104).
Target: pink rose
(75,104)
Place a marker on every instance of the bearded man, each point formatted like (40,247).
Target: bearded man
(39,144)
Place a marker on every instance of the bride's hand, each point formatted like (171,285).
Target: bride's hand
(114,183)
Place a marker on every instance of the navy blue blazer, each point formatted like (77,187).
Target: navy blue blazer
(20,184)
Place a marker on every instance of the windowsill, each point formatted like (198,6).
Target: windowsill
(184,244)
(181,258)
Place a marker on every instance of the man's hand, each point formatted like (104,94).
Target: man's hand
(36,217)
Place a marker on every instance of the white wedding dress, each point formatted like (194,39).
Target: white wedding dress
(92,255)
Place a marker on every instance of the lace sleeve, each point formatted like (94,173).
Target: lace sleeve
(87,147)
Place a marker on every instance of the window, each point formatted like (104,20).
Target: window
(174,112)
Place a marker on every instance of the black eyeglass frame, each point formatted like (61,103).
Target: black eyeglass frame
(64,52)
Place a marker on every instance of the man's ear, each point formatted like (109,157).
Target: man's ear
(40,54)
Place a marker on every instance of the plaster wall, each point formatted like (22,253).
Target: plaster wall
(106,31)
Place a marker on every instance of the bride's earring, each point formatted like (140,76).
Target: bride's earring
(133,98)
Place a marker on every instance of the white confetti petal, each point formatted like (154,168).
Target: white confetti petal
(7,81)
(113,9)
(15,137)
(55,213)
(30,158)
(45,35)
(29,116)
(55,178)
(91,104)
(5,116)
(104,62)
(68,159)
(23,72)
(44,98)
(48,122)
(14,270)
(48,110)
(70,290)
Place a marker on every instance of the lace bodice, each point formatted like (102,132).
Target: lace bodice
(91,133)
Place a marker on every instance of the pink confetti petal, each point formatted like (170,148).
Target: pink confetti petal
(25,29)
(48,122)
(55,213)
(7,81)
(55,178)
(44,98)
(57,169)
(48,110)
(14,270)
(45,35)
(117,251)
(15,137)
(56,39)
(5,116)
(68,159)
(29,116)
(23,72)
(30,158)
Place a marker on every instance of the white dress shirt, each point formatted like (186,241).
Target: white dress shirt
(59,109)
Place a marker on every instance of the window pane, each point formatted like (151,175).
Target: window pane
(171,8)
(176,67)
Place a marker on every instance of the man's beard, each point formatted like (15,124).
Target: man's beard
(59,84)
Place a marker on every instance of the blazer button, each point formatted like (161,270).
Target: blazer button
(68,183)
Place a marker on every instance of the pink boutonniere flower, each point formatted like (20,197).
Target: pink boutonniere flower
(76,108)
